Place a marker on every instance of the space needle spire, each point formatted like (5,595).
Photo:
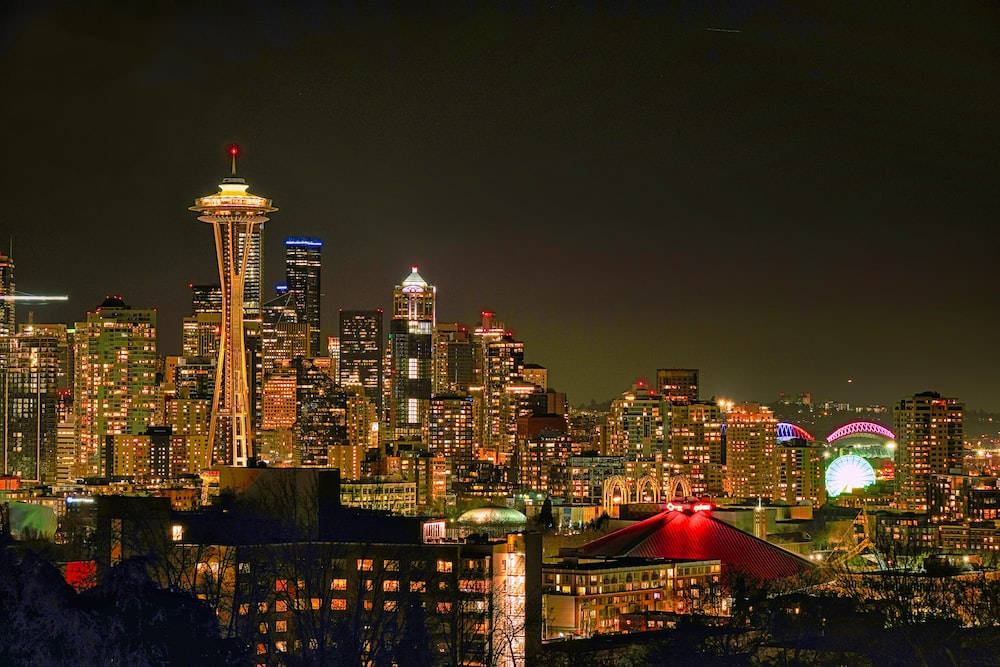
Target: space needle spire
(235,215)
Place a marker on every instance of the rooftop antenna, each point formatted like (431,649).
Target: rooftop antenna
(234,151)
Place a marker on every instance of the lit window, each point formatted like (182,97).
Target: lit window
(177,532)
(338,585)
(338,605)
(390,586)
(418,587)
(280,605)
(413,373)
(365,564)
(391,565)
(389,605)
(281,646)
(444,566)
(281,626)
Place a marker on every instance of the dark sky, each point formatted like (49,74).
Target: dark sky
(810,199)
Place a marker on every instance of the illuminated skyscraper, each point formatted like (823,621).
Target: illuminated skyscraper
(694,431)
(39,373)
(929,434)
(7,330)
(303,261)
(505,395)
(411,349)
(361,348)
(677,385)
(236,216)
(321,414)
(751,465)
(451,431)
(453,358)
(115,377)
(635,425)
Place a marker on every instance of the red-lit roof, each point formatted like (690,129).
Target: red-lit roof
(699,536)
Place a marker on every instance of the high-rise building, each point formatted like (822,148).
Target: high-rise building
(451,429)
(453,358)
(206,299)
(333,352)
(751,438)
(321,414)
(362,419)
(236,217)
(800,472)
(411,350)
(7,330)
(303,261)
(537,375)
(677,385)
(929,435)
(361,351)
(505,395)
(695,436)
(115,378)
(38,375)
(635,425)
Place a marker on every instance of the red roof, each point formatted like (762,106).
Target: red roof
(699,536)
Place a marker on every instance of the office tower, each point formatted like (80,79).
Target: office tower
(281,342)
(537,375)
(800,472)
(695,435)
(361,351)
(451,429)
(7,330)
(279,400)
(410,347)
(453,358)
(677,385)
(66,450)
(751,467)
(236,217)
(38,374)
(333,352)
(489,330)
(929,434)
(303,260)
(635,425)
(505,395)
(206,299)
(362,419)
(192,377)
(115,378)
(321,414)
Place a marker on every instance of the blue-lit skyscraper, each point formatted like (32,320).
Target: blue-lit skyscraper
(303,260)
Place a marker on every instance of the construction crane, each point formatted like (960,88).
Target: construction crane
(865,544)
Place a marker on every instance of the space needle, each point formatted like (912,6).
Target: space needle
(235,215)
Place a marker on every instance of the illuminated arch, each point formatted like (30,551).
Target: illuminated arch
(672,484)
(617,491)
(787,431)
(854,428)
(647,490)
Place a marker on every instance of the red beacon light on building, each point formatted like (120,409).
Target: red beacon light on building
(689,506)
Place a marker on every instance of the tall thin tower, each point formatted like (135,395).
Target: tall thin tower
(236,216)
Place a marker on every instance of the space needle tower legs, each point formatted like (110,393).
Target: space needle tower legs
(235,215)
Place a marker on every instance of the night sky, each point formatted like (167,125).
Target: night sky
(809,199)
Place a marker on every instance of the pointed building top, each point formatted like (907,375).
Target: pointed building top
(414,279)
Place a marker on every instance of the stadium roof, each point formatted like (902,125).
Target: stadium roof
(699,536)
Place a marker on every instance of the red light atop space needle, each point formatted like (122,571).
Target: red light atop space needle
(234,151)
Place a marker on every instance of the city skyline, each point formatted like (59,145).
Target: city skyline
(764,243)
